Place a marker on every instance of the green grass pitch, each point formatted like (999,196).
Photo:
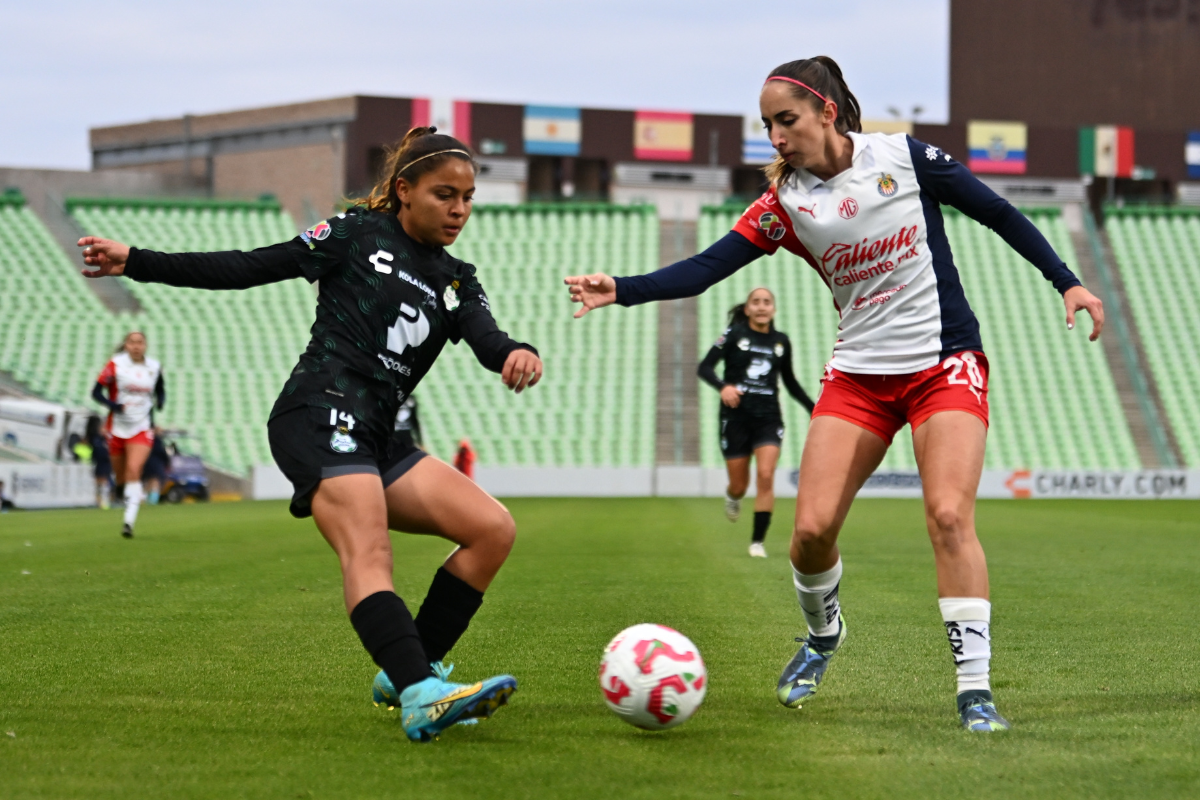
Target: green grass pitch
(211,657)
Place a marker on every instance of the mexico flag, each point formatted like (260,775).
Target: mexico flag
(1106,151)
(662,136)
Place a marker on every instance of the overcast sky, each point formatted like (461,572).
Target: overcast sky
(68,66)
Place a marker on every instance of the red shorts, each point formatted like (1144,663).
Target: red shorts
(883,403)
(116,445)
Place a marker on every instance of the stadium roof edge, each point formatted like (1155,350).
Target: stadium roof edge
(265,203)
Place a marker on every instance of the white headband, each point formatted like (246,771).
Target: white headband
(431,155)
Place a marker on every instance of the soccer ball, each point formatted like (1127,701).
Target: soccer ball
(652,677)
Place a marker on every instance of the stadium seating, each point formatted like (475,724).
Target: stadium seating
(1053,401)
(54,333)
(596,406)
(1158,252)
(224,354)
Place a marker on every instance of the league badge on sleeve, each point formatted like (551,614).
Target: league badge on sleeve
(772,226)
(316,233)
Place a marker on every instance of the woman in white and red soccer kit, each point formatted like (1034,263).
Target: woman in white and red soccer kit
(131,386)
(864,212)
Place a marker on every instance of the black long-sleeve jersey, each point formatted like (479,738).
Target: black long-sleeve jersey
(754,363)
(386,306)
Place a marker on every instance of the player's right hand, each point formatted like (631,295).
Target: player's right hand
(593,291)
(731,395)
(107,256)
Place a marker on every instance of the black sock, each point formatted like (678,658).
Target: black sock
(387,631)
(446,613)
(762,521)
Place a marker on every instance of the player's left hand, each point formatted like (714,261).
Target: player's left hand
(1078,298)
(522,369)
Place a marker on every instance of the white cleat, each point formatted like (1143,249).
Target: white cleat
(757,550)
(733,509)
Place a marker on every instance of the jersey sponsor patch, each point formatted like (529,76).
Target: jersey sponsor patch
(848,208)
(410,329)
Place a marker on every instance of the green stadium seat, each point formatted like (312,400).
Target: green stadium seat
(1158,253)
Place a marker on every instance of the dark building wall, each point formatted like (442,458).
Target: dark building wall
(952,138)
(1066,63)
(728,140)
(607,134)
(379,122)
(499,122)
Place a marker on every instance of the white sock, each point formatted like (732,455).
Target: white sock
(133,499)
(818,595)
(967,626)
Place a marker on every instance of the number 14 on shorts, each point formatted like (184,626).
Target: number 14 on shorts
(347,419)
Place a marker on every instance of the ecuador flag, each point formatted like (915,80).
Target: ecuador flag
(996,147)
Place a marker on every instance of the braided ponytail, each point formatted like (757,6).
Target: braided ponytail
(824,75)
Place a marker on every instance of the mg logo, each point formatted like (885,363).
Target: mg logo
(848,208)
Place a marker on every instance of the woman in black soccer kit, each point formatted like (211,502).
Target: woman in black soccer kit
(390,298)
(756,356)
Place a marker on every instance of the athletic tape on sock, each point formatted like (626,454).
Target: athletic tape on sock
(818,596)
(968,623)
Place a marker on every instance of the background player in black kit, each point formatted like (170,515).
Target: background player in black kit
(390,298)
(756,357)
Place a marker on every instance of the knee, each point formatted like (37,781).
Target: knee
(373,555)
(766,480)
(813,528)
(501,532)
(948,527)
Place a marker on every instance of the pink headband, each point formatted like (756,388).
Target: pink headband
(805,85)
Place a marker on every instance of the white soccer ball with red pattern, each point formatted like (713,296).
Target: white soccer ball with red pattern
(653,677)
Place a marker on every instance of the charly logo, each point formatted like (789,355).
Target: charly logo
(848,208)
(410,329)
(771,225)
(887,184)
(342,441)
(743,344)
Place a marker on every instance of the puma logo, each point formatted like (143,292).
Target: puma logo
(808,211)
(982,635)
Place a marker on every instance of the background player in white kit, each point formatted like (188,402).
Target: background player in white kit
(864,212)
(131,386)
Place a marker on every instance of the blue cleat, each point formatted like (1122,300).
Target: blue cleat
(383,692)
(978,712)
(804,672)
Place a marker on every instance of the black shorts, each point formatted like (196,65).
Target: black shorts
(308,448)
(742,434)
